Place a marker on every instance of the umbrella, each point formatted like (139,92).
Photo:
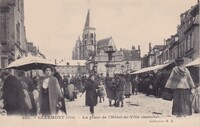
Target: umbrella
(29,63)
(194,63)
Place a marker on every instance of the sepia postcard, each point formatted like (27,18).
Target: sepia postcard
(99,63)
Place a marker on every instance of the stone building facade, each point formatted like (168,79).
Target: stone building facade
(188,32)
(12,31)
(71,67)
(13,41)
(184,44)
(131,59)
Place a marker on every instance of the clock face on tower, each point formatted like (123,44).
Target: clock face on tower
(90,47)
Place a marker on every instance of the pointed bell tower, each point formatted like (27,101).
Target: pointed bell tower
(89,38)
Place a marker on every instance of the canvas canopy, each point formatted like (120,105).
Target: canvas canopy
(29,63)
(152,68)
(194,63)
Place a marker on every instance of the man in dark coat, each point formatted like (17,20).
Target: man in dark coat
(110,90)
(157,84)
(119,90)
(65,83)
(13,95)
(135,83)
(91,94)
(148,81)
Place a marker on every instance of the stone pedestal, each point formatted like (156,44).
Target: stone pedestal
(110,69)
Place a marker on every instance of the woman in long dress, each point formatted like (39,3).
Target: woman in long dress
(49,93)
(181,82)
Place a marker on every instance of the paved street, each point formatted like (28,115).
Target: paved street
(136,105)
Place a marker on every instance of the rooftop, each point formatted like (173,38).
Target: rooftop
(72,62)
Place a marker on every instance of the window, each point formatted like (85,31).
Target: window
(18,5)
(167,56)
(186,44)
(85,42)
(18,32)
(4,63)
(188,40)
(175,53)
(171,56)
(91,35)
(182,49)
(92,42)
(191,41)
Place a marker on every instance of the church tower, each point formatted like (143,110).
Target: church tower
(89,39)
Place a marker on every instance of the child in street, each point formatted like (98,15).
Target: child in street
(101,91)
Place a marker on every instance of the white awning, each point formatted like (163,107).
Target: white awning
(194,63)
(152,68)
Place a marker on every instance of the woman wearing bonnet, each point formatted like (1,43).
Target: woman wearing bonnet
(49,93)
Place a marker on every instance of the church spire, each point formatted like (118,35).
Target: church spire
(87,22)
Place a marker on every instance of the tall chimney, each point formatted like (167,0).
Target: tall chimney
(55,61)
(139,51)
(139,48)
(150,47)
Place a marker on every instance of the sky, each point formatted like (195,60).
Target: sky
(54,25)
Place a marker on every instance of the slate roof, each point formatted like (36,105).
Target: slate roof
(103,42)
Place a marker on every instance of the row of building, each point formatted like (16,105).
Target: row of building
(185,43)
(13,41)
(87,49)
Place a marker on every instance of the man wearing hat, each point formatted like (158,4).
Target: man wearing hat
(181,83)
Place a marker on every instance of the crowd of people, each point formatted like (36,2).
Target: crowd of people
(25,95)
(45,94)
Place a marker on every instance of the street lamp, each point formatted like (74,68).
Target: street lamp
(95,67)
(110,49)
(68,72)
(127,64)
